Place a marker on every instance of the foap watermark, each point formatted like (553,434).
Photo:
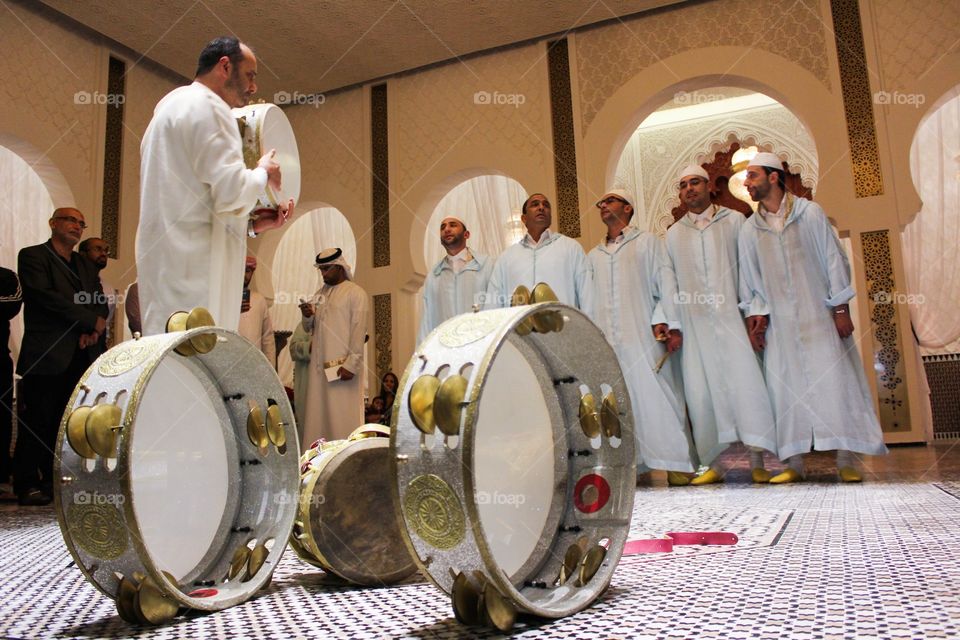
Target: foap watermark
(313,500)
(97,98)
(312,99)
(699,297)
(899,99)
(689,98)
(896,297)
(497,98)
(298,297)
(98,297)
(501,499)
(97,498)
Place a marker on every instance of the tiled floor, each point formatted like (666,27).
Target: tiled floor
(815,560)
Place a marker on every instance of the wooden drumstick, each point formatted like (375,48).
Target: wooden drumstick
(663,359)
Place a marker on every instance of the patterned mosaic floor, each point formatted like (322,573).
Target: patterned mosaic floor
(815,560)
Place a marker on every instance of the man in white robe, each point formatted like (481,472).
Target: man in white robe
(542,256)
(722,379)
(337,322)
(255,323)
(457,282)
(196,193)
(795,286)
(627,270)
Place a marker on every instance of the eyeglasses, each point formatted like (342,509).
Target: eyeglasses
(611,200)
(72,220)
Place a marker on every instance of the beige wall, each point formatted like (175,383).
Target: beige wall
(439,135)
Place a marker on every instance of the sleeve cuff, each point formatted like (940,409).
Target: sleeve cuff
(756,307)
(841,298)
(260,177)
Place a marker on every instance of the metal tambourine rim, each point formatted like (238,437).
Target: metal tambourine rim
(134,534)
(479,379)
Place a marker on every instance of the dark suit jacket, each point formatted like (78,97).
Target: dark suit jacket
(58,306)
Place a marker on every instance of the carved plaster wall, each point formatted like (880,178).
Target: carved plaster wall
(610,55)
(912,36)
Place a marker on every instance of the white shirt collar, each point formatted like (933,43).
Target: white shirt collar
(544,237)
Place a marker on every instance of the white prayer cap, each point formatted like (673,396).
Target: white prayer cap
(460,220)
(766,159)
(693,170)
(622,194)
(333,256)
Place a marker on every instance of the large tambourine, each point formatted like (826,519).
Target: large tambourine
(177,472)
(265,126)
(513,453)
(345,522)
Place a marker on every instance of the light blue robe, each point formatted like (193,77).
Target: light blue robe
(724,387)
(557,260)
(627,286)
(816,381)
(447,294)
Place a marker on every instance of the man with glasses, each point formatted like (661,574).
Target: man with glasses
(64,318)
(795,289)
(542,256)
(336,319)
(627,267)
(721,375)
(457,282)
(196,193)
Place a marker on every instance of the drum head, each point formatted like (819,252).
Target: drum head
(513,454)
(276,133)
(178,473)
(351,517)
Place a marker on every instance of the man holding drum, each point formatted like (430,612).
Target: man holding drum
(196,193)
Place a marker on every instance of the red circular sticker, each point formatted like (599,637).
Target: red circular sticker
(595,499)
(203,593)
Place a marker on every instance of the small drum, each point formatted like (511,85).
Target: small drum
(177,460)
(345,522)
(263,127)
(513,453)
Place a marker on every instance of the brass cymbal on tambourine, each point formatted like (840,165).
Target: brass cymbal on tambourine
(184,321)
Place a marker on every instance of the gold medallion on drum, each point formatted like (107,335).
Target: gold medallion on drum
(434,512)
(466,329)
(125,357)
(98,529)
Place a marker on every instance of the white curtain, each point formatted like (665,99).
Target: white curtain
(932,241)
(294,275)
(28,207)
(485,204)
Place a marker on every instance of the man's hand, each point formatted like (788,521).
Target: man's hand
(674,341)
(101,327)
(266,219)
(660,332)
(272,168)
(344,374)
(88,339)
(307,309)
(756,331)
(842,320)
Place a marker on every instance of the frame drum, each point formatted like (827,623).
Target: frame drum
(178,473)
(344,524)
(513,453)
(263,127)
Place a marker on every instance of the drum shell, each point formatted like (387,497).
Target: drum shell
(130,367)
(476,339)
(329,534)
(257,141)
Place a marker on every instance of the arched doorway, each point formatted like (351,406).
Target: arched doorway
(700,127)
(292,271)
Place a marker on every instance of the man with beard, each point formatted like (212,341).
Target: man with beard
(795,286)
(542,256)
(337,322)
(97,251)
(456,282)
(721,374)
(627,266)
(196,193)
